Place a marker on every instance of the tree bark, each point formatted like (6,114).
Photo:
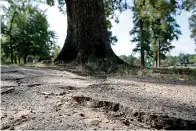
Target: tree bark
(87,35)
(141,44)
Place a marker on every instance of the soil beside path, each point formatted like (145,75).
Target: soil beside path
(46,99)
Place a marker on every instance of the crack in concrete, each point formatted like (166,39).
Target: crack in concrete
(153,120)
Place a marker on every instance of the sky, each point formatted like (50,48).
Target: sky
(58,23)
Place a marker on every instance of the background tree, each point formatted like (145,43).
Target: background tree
(162,36)
(154,27)
(26,35)
(170,61)
(140,31)
(129,59)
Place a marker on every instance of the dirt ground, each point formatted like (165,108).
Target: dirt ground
(46,99)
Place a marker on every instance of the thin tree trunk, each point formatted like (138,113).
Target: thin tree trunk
(141,44)
(19,59)
(25,59)
(87,35)
(11,52)
(156,60)
(15,58)
(10,37)
(18,56)
(158,47)
(158,54)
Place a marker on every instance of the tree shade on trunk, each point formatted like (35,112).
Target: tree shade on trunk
(87,35)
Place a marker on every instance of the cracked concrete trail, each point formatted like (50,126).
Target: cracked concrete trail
(46,99)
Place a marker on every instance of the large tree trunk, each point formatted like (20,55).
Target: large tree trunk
(141,44)
(87,35)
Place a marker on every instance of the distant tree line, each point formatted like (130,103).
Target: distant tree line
(180,60)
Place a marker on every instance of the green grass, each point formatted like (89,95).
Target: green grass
(188,75)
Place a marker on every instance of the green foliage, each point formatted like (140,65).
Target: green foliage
(190,5)
(169,61)
(112,39)
(55,51)
(131,60)
(192,58)
(140,40)
(25,32)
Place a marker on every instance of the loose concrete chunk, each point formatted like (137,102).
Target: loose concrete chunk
(7,90)
(95,122)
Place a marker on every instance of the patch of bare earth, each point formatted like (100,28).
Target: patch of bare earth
(47,99)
